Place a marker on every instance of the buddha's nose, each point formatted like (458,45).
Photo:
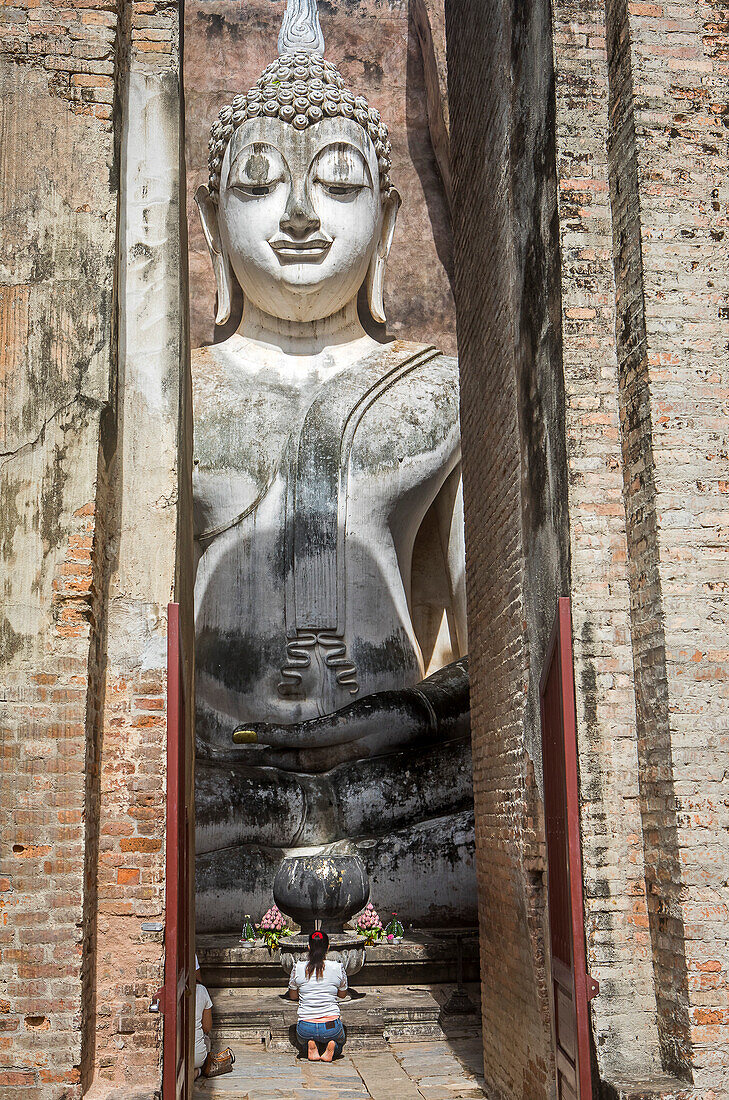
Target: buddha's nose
(299,217)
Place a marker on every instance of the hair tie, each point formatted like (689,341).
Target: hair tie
(317,936)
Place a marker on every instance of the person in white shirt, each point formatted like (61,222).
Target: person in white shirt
(318,983)
(203,1021)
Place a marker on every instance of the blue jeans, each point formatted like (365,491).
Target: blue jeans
(328,1031)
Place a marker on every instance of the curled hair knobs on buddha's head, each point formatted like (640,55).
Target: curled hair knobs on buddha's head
(300,88)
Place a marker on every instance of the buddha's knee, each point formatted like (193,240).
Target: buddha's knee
(236,805)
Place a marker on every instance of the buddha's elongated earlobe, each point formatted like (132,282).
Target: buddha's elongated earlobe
(378,264)
(208,211)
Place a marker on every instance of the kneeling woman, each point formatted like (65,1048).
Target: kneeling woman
(317,984)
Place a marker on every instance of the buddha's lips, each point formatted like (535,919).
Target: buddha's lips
(312,249)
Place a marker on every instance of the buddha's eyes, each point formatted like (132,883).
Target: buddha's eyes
(341,171)
(255,190)
(256,172)
(340,190)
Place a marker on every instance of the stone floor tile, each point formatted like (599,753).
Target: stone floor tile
(230,1090)
(438,1093)
(277,1092)
(384,1077)
(451,1085)
(438,1070)
(469,1052)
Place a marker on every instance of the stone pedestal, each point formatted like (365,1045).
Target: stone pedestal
(423,957)
(346,948)
(371,1020)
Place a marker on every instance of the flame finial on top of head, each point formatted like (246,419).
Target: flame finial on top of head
(300,30)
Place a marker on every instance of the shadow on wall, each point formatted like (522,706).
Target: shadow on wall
(420,144)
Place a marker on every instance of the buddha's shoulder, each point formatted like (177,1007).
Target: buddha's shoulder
(415,411)
(210,371)
(223,378)
(425,359)
(422,377)
(214,366)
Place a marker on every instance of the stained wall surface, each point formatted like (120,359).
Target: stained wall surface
(56,324)
(377,49)
(92,338)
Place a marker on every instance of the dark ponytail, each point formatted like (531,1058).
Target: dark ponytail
(318,947)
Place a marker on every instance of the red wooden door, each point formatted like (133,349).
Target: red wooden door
(572,987)
(177,999)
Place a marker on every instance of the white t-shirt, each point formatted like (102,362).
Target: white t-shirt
(318,997)
(202,1001)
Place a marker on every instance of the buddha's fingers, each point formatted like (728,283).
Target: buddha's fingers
(404,713)
(383,743)
(439,703)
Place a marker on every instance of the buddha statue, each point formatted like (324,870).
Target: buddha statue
(331,670)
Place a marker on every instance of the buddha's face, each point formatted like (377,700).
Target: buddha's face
(299,214)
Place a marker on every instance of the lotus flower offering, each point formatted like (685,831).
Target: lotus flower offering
(369,924)
(273,926)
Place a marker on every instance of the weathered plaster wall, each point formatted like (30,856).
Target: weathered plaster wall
(376,47)
(93,336)
(149,565)
(58,200)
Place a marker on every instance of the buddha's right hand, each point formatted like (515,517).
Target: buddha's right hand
(437,705)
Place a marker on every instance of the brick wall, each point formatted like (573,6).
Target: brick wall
(58,230)
(662,867)
(93,502)
(618,941)
(632,324)
(501,367)
(70,51)
(669,197)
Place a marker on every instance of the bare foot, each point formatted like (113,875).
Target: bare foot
(328,1053)
(313,1051)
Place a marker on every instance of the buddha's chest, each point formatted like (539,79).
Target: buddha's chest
(265,446)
